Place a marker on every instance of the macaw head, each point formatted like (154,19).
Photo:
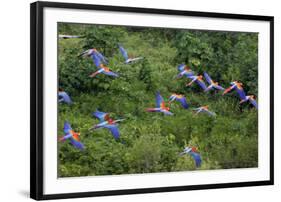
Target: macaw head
(110,121)
(75,134)
(239,85)
(194,149)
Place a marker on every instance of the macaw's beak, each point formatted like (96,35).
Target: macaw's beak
(194,149)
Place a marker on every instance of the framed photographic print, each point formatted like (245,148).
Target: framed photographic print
(135,100)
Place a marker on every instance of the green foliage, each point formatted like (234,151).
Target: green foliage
(151,142)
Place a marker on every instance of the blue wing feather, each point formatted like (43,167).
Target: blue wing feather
(159,99)
(66,127)
(76,143)
(208,78)
(110,73)
(96,60)
(101,57)
(123,52)
(114,130)
(181,67)
(218,87)
(183,102)
(65,97)
(100,115)
(197,158)
(201,84)
(253,102)
(241,93)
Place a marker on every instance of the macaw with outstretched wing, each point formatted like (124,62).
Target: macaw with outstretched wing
(91,52)
(212,84)
(128,59)
(64,97)
(237,86)
(198,80)
(204,109)
(193,152)
(107,122)
(251,99)
(102,69)
(180,98)
(72,136)
(184,71)
(160,106)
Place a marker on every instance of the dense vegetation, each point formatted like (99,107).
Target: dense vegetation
(151,142)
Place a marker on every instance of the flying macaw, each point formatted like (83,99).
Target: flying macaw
(107,122)
(251,99)
(192,151)
(160,106)
(184,71)
(64,97)
(179,98)
(212,84)
(63,36)
(204,109)
(128,59)
(92,52)
(199,81)
(101,67)
(72,136)
(239,89)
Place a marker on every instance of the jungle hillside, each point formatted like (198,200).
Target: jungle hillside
(152,142)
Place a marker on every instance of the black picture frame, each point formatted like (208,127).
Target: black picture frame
(36,99)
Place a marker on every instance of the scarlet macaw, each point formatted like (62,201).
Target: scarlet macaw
(107,122)
(179,98)
(192,151)
(92,52)
(251,99)
(212,84)
(128,59)
(184,71)
(64,97)
(199,81)
(239,89)
(101,67)
(160,106)
(72,136)
(204,109)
